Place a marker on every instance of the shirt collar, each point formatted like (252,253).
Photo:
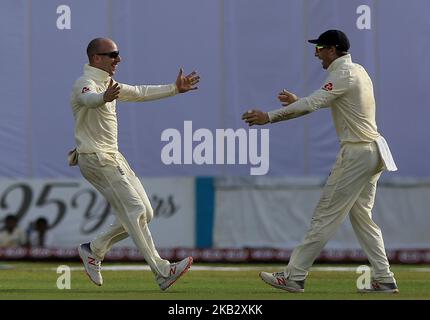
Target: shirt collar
(96,73)
(338,62)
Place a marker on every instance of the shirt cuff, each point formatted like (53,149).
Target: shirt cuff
(271,115)
(175,88)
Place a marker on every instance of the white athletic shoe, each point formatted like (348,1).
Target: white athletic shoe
(91,264)
(176,270)
(278,280)
(379,287)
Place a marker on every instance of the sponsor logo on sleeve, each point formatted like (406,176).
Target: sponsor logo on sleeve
(328,86)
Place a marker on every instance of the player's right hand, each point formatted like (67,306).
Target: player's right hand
(112,92)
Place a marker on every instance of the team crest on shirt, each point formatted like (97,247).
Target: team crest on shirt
(328,86)
(85,89)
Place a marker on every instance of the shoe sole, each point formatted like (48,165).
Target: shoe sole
(85,269)
(380,291)
(291,290)
(190,262)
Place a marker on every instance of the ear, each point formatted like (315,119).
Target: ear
(333,51)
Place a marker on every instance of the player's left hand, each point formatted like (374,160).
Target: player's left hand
(257,117)
(287,97)
(187,83)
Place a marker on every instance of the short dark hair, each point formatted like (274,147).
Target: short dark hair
(11,217)
(341,53)
(93,47)
(42,220)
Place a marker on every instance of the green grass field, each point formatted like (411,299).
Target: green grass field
(21,281)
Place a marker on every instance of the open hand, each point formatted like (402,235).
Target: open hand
(112,92)
(257,117)
(287,97)
(187,83)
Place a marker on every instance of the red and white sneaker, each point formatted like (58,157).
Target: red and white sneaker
(91,264)
(278,280)
(380,287)
(176,270)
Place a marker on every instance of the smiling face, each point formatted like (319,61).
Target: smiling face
(105,56)
(326,54)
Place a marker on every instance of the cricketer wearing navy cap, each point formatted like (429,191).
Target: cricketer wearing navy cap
(351,187)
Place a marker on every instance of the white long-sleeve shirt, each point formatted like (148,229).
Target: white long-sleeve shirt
(96,126)
(12,240)
(348,90)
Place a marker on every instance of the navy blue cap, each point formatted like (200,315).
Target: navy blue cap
(333,38)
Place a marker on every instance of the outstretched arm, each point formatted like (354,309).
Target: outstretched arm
(336,85)
(154,92)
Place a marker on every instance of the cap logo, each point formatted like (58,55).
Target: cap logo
(85,89)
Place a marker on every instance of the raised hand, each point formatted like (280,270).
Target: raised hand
(187,83)
(257,117)
(287,97)
(112,92)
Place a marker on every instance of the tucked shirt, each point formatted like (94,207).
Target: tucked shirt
(96,126)
(348,90)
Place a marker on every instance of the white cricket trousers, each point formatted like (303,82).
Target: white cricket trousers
(350,188)
(111,175)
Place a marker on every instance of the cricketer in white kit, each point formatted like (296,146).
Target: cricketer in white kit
(351,186)
(96,133)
